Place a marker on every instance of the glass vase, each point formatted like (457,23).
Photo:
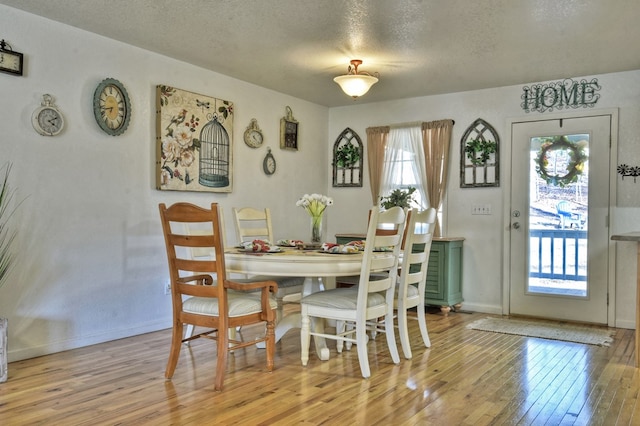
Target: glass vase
(316,229)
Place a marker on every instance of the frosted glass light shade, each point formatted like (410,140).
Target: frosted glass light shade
(355,85)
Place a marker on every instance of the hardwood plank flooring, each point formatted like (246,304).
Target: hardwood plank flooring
(467,377)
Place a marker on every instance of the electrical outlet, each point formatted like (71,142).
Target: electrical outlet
(481,209)
(167,288)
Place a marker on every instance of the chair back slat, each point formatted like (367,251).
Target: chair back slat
(392,221)
(177,222)
(417,248)
(252,224)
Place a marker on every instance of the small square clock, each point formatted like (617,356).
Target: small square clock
(10,61)
(289,131)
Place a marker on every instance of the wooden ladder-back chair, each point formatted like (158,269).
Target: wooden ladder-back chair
(371,299)
(200,290)
(252,223)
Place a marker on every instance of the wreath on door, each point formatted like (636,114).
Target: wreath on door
(575,165)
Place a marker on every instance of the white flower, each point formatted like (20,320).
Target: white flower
(183,136)
(187,158)
(314,204)
(170,149)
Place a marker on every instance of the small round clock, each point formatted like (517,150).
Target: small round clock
(47,119)
(253,135)
(112,107)
(269,163)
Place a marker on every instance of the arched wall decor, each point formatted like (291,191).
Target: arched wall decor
(480,156)
(348,156)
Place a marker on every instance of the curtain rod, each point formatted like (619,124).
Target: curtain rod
(410,124)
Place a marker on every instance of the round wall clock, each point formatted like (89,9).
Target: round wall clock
(112,107)
(269,163)
(47,120)
(253,135)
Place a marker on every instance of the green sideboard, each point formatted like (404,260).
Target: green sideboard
(444,274)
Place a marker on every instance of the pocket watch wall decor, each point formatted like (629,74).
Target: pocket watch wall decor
(253,136)
(10,61)
(112,107)
(47,119)
(269,163)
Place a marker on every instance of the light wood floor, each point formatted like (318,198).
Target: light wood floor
(467,377)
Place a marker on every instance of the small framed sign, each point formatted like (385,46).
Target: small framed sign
(289,131)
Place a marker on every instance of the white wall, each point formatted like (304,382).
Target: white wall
(483,247)
(90,264)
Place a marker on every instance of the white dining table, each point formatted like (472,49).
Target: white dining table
(319,269)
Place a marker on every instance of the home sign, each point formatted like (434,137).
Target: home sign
(567,93)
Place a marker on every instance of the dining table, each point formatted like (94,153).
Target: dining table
(319,268)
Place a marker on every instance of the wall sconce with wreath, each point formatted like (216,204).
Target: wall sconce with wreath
(479,156)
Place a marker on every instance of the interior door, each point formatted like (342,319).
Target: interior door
(559,260)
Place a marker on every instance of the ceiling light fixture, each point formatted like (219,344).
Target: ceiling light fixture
(356,83)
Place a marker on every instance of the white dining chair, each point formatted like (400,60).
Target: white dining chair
(410,289)
(253,223)
(372,298)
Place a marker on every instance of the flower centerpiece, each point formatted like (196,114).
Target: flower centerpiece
(315,205)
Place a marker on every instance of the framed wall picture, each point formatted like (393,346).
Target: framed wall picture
(194,141)
(289,131)
(480,156)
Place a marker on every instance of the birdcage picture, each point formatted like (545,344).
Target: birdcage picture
(194,141)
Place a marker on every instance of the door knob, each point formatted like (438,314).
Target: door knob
(516,225)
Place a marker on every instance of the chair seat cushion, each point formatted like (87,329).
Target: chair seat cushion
(355,279)
(239,304)
(283,282)
(286,285)
(341,298)
(412,291)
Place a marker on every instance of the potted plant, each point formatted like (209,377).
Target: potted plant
(398,197)
(6,257)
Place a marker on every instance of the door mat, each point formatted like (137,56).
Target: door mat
(544,330)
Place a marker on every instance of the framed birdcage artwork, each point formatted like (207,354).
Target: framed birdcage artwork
(194,141)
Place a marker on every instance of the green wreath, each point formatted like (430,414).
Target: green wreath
(347,155)
(480,150)
(574,168)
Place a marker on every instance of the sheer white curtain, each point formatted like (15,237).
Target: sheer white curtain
(405,148)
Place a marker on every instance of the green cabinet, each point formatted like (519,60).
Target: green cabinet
(444,275)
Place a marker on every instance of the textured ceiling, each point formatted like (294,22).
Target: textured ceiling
(419,47)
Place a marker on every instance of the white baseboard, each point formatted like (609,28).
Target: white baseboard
(485,309)
(65,345)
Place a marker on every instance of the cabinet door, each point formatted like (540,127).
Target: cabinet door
(435,288)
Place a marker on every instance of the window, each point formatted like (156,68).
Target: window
(403,164)
(404,175)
